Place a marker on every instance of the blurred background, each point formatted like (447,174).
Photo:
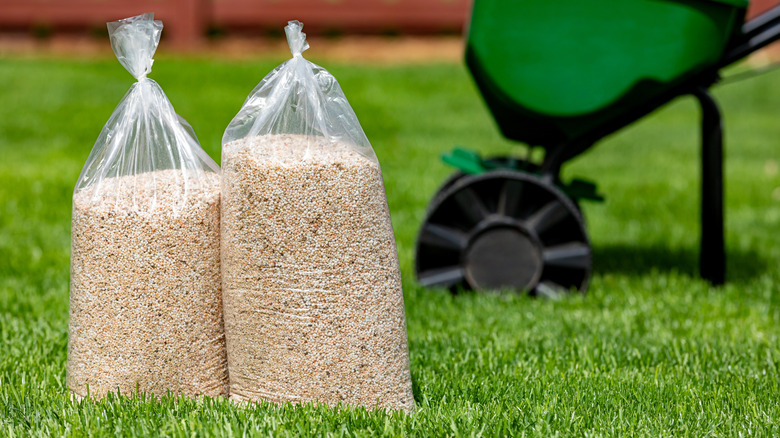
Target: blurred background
(236,27)
(376,31)
(191,25)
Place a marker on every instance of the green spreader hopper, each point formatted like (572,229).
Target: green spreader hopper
(561,75)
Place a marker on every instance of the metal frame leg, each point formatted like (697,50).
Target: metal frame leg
(712,258)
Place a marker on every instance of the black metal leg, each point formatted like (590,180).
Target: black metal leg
(712,259)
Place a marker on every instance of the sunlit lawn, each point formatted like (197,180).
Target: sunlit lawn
(650,350)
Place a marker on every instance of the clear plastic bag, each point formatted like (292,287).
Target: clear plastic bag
(311,284)
(145,297)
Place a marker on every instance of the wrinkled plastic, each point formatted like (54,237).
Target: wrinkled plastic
(313,301)
(144,133)
(299,97)
(145,295)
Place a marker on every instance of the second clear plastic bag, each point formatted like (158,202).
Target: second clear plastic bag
(145,303)
(312,291)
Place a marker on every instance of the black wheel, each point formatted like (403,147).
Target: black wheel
(504,230)
(512,162)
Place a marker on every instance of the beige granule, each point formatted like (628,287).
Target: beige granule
(311,285)
(145,304)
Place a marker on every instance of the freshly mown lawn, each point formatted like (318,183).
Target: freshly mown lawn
(649,350)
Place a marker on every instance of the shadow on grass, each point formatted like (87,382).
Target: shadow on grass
(637,260)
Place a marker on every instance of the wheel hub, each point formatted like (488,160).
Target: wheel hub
(503,230)
(503,257)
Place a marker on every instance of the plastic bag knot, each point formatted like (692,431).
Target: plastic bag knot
(134,41)
(296,38)
(142,77)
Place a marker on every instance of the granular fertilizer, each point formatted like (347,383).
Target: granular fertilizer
(145,304)
(311,285)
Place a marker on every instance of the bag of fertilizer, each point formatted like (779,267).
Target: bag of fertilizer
(312,294)
(145,303)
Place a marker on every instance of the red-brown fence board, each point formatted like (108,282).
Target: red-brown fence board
(344,15)
(184,19)
(758,6)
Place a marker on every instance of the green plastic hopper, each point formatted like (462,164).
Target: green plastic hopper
(551,71)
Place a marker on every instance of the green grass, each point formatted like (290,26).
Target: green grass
(650,350)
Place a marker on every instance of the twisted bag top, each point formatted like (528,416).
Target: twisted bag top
(144,133)
(299,97)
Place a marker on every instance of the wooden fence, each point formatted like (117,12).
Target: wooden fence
(186,21)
